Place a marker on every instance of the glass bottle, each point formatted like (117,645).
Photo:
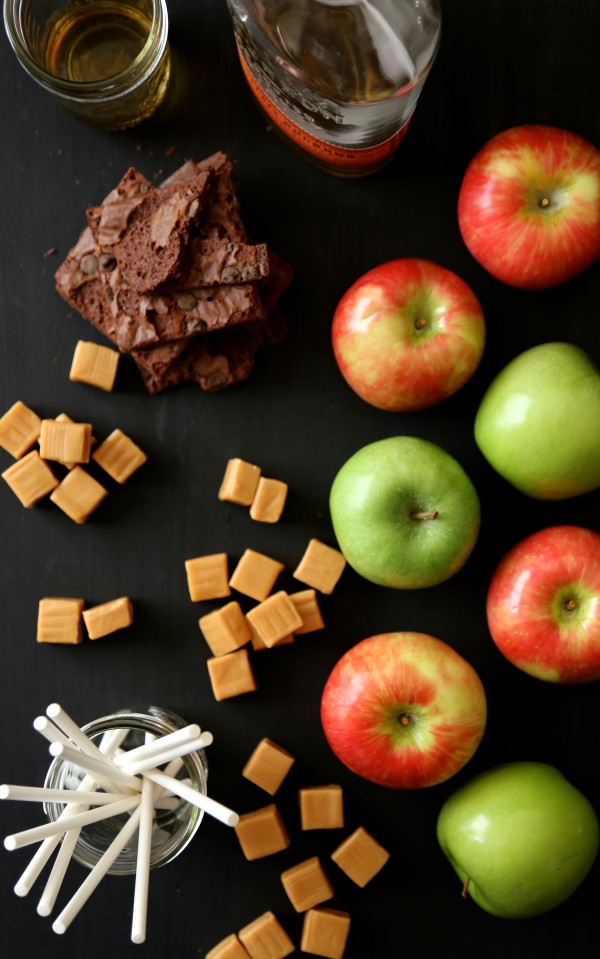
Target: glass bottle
(339,78)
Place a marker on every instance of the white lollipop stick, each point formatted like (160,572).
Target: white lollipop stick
(191,795)
(76,821)
(159,745)
(41,794)
(72,730)
(31,873)
(64,920)
(50,732)
(110,742)
(159,759)
(57,873)
(104,774)
(142,867)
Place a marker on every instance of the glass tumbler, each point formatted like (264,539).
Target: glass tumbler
(173,828)
(107,61)
(339,79)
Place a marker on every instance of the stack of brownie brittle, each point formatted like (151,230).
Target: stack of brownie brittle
(168,275)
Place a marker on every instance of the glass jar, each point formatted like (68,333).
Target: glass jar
(107,61)
(339,79)
(173,828)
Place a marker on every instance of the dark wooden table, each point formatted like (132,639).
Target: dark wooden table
(502,62)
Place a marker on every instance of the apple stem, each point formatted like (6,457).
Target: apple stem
(420,323)
(465,887)
(431,514)
(569,605)
(544,202)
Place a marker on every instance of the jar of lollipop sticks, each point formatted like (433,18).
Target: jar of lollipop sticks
(131,739)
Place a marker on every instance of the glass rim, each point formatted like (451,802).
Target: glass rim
(97,90)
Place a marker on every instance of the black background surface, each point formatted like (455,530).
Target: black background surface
(502,62)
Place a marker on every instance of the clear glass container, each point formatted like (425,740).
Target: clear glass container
(173,828)
(107,61)
(339,79)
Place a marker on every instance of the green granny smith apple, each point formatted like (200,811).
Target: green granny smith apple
(404,512)
(538,424)
(520,837)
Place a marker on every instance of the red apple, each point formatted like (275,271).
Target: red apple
(404,710)
(529,206)
(407,334)
(543,605)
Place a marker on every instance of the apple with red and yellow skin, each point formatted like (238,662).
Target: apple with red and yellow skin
(403,710)
(408,334)
(529,206)
(543,605)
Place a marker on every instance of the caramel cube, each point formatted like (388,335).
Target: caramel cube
(119,456)
(30,479)
(239,482)
(307,606)
(63,418)
(265,938)
(228,948)
(325,933)
(268,766)
(95,365)
(208,577)
(255,575)
(306,884)
(78,495)
(320,567)
(322,807)
(267,505)
(274,618)
(59,621)
(226,629)
(258,644)
(65,442)
(360,857)
(231,675)
(19,429)
(262,833)
(108,617)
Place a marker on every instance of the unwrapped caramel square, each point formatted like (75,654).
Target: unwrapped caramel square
(265,938)
(255,575)
(225,629)
(65,442)
(108,617)
(119,456)
(268,766)
(321,807)
(325,933)
(228,948)
(95,365)
(30,478)
(64,418)
(19,429)
(267,505)
(78,495)
(231,675)
(320,567)
(360,857)
(59,621)
(306,884)
(262,833)
(208,577)
(307,606)
(275,618)
(239,482)
(258,644)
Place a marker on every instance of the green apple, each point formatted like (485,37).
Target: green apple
(538,423)
(520,837)
(404,512)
